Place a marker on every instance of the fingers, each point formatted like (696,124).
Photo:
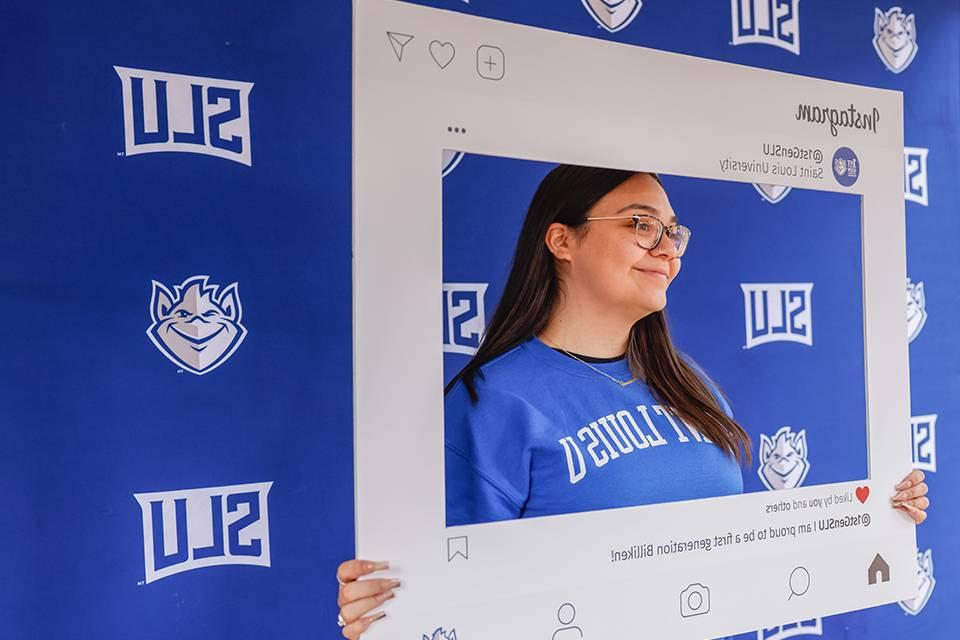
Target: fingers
(359,589)
(353,630)
(912,478)
(357,598)
(355,610)
(353,569)
(911,496)
(911,493)
(918,515)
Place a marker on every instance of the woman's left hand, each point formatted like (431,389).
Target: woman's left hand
(911,496)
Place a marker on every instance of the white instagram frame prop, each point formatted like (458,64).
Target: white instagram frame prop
(584,101)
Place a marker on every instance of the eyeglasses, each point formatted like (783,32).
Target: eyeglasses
(648,231)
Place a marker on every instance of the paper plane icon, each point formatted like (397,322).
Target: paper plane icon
(398,41)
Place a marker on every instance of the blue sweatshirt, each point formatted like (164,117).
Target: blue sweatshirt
(549,435)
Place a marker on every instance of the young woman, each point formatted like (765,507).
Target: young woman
(558,410)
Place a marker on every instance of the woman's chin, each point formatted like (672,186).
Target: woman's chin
(655,300)
(648,305)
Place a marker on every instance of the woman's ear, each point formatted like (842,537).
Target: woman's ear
(558,239)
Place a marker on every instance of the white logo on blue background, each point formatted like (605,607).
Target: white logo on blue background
(772,22)
(777,312)
(895,38)
(196,528)
(811,627)
(772,193)
(783,459)
(464,318)
(846,166)
(613,15)
(916,309)
(440,634)
(923,436)
(197,325)
(915,175)
(173,112)
(925,584)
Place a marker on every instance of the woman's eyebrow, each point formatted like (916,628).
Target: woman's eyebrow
(649,208)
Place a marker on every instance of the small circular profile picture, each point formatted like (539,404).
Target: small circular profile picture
(846,166)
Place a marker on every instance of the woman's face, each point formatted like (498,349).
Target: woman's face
(606,265)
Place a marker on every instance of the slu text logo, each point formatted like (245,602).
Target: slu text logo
(196,528)
(613,15)
(916,309)
(773,22)
(915,175)
(783,459)
(197,325)
(464,319)
(812,627)
(925,584)
(923,435)
(895,38)
(778,312)
(173,112)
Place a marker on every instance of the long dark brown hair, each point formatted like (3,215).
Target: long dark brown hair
(566,195)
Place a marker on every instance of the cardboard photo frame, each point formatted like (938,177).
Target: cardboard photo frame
(420,88)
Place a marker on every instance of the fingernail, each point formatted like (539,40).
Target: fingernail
(377,616)
(377,566)
(393,584)
(383,597)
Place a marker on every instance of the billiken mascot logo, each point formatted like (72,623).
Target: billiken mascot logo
(197,325)
(895,38)
(613,15)
(916,309)
(440,634)
(783,459)
(925,584)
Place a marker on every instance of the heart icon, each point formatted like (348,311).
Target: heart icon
(442,53)
(862,494)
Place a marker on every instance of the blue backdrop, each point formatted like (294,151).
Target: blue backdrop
(254,189)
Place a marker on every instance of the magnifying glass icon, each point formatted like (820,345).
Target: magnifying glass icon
(799,582)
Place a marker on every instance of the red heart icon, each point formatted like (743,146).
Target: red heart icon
(862,494)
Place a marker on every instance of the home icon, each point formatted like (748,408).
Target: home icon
(878,569)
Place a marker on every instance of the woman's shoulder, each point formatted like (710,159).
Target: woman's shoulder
(503,375)
(510,367)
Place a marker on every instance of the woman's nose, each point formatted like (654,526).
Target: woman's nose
(665,247)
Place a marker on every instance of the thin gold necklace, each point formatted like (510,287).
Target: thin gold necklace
(622,383)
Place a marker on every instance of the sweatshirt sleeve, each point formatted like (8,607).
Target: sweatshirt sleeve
(487,449)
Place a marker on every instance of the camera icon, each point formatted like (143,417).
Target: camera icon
(694,600)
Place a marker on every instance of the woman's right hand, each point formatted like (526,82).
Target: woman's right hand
(357,598)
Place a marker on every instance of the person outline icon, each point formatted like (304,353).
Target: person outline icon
(566,614)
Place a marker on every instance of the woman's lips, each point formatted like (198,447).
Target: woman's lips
(659,275)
